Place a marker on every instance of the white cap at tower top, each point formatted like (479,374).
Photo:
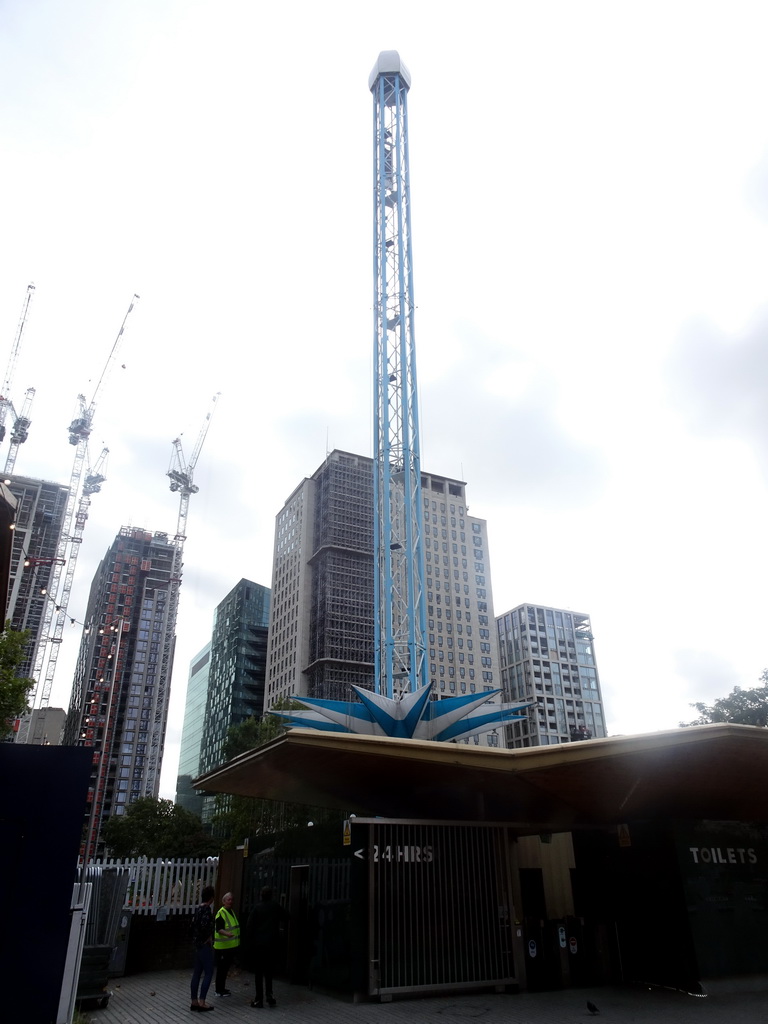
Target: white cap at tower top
(389,63)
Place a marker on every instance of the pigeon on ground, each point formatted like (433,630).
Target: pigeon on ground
(592,1008)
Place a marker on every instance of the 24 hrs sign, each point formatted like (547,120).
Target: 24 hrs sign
(397,854)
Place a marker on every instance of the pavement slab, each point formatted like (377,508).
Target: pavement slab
(163,996)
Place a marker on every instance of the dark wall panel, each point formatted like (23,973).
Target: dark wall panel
(42,802)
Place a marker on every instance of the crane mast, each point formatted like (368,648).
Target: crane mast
(400,619)
(181,474)
(94,478)
(72,536)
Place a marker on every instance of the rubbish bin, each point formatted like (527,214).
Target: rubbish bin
(94,976)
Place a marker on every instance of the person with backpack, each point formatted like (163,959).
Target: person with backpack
(225,942)
(202,938)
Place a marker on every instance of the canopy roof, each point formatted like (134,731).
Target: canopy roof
(714,771)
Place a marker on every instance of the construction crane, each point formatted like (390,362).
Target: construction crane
(400,620)
(91,485)
(181,475)
(20,431)
(94,478)
(72,532)
(6,404)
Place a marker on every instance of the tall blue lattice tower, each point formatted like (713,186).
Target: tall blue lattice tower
(398,551)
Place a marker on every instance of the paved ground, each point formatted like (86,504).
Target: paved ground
(164,997)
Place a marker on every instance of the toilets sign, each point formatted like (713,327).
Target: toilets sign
(723,854)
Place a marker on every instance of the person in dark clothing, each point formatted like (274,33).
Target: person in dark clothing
(202,937)
(264,939)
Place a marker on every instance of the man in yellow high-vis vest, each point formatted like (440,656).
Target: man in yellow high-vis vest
(226,939)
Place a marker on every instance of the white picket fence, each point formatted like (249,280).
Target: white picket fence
(164,886)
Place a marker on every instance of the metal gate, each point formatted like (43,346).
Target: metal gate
(440,909)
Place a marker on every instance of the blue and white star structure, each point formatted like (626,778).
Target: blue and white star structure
(410,716)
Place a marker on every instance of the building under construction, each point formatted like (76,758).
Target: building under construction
(50,519)
(121,688)
(34,558)
(321,638)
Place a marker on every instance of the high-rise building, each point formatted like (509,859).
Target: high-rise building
(236,672)
(46,726)
(121,688)
(8,506)
(321,625)
(192,732)
(321,637)
(40,513)
(547,654)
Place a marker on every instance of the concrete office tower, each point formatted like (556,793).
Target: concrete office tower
(548,654)
(46,727)
(321,623)
(321,637)
(192,731)
(36,535)
(119,703)
(236,672)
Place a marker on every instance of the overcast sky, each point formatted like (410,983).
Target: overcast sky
(589,189)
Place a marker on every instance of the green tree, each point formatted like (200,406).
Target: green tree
(241,817)
(157,828)
(744,707)
(255,732)
(14,689)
